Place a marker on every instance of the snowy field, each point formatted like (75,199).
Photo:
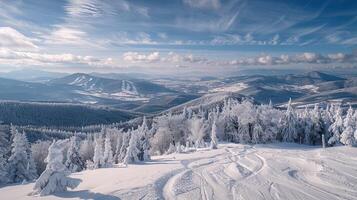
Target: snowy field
(234,171)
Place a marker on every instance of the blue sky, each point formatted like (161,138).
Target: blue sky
(174,35)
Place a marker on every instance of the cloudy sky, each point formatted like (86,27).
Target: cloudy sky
(176,35)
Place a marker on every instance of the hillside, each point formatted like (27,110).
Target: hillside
(59,114)
(275,171)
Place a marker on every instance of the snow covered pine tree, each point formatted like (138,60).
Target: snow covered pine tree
(74,161)
(21,164)
(54,178)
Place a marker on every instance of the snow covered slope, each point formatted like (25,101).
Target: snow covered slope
(234,171)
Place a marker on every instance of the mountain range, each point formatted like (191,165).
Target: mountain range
(137,96)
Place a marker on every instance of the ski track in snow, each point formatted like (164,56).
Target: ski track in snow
(248,173)
(234,171)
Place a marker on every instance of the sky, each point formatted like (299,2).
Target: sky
(168,36)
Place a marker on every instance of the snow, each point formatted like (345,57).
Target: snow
(312,88)
(233,171)
(231,88)
(123,96)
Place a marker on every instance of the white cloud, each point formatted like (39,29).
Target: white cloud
(124,38)
(203,4)
(137,57)
(266,60)
(247,39)
(11,38)
(66,35)
(8,56)
(99,8)
(186,58)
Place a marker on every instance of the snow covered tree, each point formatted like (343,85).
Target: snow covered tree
(31,165)
(288,125)
(86,150)
(98,159)
(144,143)
(21,164)
(74,161)
(132,150)
(118,146)
(317,125)
(197,128)
(161,141)
(336,128)
(349,120)
(39,152)
(257,133)
(4,143)
(214,141)
(3,170)
(347,136)
(268,118)
(172,149)
(55,177)
(243,133)
(306,127)
(108,153)
(124,146)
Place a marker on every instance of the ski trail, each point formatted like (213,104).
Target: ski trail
(247,172)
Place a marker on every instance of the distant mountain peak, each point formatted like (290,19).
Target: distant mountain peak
(323,76)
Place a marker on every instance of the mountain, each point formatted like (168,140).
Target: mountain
(346,96)
(280,88)
(32,75)
(116,87)
(128,94)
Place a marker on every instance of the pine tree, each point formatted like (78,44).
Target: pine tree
(336,127)
(108,153)
(257,133)
(74,161)
(31,165)
(214,141)
(98,152)
(317,125)
(86,150)
(3,170)
(288,125)
(197,128)
(347,137)
(54,178)
(124,146)
(243,133)
(144,141)
(4,143)
(132,150)
(120,136)
(21,164)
